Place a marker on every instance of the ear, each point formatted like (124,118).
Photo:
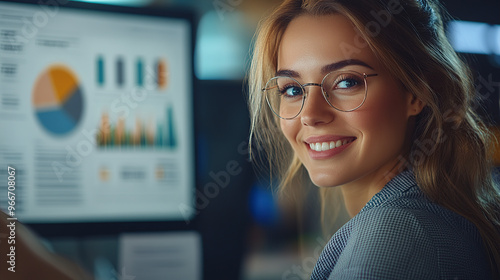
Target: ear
(415,105)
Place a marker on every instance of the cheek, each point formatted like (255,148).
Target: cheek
(385,111)
(291,129)
(384,119)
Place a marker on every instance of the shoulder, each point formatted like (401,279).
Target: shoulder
(396,230)
(414,216)
(427,227)
(388,218)
(387,243)
(407,242)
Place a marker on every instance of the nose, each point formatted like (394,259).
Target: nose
(316,109)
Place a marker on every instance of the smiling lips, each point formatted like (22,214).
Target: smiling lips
(326,148)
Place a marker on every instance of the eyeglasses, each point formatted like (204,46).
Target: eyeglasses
(343,90)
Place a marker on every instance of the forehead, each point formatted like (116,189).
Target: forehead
(309,42)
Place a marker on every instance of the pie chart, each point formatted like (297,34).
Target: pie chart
(58,100)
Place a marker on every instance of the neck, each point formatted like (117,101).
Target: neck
(357,193)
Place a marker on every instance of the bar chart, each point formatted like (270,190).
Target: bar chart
(156,71)
(143,133)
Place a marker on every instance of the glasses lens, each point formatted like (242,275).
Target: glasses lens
(285,96)
(345,91)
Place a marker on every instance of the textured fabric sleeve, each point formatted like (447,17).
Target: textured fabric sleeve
(386,244)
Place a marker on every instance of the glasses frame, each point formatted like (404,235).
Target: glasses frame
(303,87)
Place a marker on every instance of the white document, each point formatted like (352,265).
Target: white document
(158,256)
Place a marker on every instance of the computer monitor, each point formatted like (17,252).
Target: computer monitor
(96,115)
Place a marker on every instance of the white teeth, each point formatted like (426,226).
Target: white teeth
(324,146)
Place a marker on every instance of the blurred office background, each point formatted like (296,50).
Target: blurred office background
(245,232)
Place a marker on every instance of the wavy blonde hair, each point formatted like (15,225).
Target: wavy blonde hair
(450,155)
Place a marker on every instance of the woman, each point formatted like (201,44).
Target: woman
(370,98)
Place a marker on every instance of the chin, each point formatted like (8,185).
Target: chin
(326,180)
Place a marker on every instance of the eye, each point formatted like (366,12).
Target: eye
(347,82)
(291,90)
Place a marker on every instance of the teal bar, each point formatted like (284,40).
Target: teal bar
(100,71)
(140,73)
(172,137)
(120,72)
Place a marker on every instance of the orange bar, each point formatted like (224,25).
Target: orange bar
(162,74)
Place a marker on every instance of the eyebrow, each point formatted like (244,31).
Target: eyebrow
(327,68)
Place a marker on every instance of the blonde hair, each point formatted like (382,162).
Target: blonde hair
(450,155)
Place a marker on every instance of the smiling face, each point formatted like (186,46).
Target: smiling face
(339,148)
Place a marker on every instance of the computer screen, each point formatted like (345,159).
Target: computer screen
(96,113)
